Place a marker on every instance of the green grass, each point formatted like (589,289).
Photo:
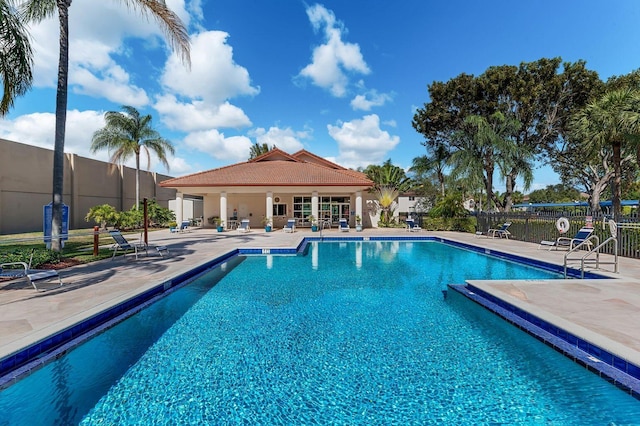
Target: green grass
(78,248)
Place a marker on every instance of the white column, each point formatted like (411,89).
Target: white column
(269,208)
(179,207)
(314,205)
(223,207)
(359,205)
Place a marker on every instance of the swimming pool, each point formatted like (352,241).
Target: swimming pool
(354,333)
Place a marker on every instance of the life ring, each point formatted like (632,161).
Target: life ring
(562,225)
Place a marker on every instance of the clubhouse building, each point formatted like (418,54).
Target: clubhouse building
(278,186)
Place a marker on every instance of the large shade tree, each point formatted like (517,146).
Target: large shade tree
(128,134)
(537,94)
(38,10)
(16,56)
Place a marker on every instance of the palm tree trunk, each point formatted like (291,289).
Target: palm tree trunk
(617,180)
(61,119)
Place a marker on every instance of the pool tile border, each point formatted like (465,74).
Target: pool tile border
(616,370)
(22,362)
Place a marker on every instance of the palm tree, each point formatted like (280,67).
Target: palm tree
(437,162)
(38,10)
(16,56)
(613,119)
(127,134)
(483,144)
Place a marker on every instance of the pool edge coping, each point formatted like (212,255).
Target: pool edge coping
(22,362)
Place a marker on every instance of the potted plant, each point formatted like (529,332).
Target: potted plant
(267,223)
(314,224)
(173,226)
(358,223)
(220,225)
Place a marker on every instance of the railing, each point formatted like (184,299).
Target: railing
(536,227)
(586,243)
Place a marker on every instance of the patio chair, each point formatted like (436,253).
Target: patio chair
(290,226)
(24,270)
(244,226)
(184,226)
(343,225)
(412,227)
(502,232)
(121,243)
(582,236)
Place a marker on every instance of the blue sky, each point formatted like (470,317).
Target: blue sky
(341,79)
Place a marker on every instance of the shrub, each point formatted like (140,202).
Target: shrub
(103,214)
(460,224)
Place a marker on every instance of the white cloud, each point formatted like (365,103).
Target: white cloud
(362,142)
(286,139)
(179,166)
(332,60)
(198,115)
(97,32)
(112,84)
(39,129)
(370,99)
(214,143)
(214,76)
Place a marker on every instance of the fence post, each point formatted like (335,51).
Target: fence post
(96,239)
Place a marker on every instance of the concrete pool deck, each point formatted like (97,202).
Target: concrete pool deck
(604,312)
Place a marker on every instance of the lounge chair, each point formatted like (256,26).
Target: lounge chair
(121,243)
(184,226)
(569,243)
(32,275)
(290,226)
(343,225)
(502,232)
(244,226)
(412,227)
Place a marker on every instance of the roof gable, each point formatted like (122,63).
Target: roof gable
(274,154)
(309,157)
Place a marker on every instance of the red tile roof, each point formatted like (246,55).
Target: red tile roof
(275,168)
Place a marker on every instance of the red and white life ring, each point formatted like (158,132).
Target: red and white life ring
(562,225)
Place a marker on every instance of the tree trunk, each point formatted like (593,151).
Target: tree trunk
(508,196)
(61,119)
(489,186)
(617,180)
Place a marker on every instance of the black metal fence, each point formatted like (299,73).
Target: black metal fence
(539,226)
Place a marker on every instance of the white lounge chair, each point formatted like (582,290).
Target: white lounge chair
(290,226)
(412,227)
(24,270)
(343,225)
(569,243)
(502,232)
(244,226)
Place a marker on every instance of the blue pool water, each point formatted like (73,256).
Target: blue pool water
(351,333)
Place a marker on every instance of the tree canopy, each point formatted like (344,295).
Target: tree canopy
(538,95)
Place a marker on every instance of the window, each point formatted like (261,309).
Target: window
(301,207)
(412,198)
(279,210)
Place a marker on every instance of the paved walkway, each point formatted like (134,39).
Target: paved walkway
(605,312)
